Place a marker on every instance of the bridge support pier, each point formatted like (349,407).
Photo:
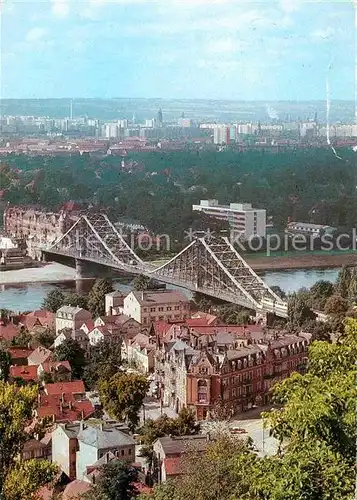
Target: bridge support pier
(79,269)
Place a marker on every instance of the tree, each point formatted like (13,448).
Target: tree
(352,288)
(343,282)
(336,305)
(104,362)
(19,479)
(71,351)
(142,282)
(44,337)
(23,339)
(222,411)
(298,310)
(122,396)
(5,363)
(115,482)
(96,297)
(76,300)
(278,291)
(320,292)
(53,301)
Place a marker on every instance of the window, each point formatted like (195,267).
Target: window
(129,451)
(145,309)
(168,308)
(161,309)
(122,452)
(177,308)
(152,309)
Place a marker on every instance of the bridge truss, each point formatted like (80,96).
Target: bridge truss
(211,267)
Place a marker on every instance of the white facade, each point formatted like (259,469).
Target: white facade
(221,134)
(71,317)
(149,306)
(244,221)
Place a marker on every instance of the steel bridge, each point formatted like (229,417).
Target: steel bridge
(212,267)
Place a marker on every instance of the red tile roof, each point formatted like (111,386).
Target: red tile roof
(242,330)
(19,353)
(66,410)
(26,372)
(39,355)
(9,331)
(74,387)
(161,328)
(75,489)
(45,318)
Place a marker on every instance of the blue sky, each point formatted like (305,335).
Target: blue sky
(219,49)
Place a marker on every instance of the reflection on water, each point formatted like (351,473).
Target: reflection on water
(30,296)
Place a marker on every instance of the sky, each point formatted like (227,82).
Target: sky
(194,49)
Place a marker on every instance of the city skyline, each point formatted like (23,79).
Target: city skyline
(252,51)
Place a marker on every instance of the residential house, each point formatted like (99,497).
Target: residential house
(65,447)
(168,450)
(71,317)
(197,369)
(141,351)
(94,441)
(114,302)
(149,306)
(100,333)
(36,449)
(78,335)
(39,356)
(64,402)
(59,370)
(40,317)
(8,331)
(19,355)
(124,325)
(26,373)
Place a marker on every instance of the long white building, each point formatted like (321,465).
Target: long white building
(244,221)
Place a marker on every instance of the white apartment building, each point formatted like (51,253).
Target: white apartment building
(221,134)
(244,221)
(71,317)
(149,306)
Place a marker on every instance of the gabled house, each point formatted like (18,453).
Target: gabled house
(71,317)
(39,355)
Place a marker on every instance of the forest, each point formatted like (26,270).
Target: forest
(159,188)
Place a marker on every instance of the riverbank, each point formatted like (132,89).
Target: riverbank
(301,261)
(45,274)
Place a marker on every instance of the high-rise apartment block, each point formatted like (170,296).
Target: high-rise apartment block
(221,134)
(244,221)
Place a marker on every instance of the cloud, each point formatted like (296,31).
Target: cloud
(324,34)
(35,34)
(60,8)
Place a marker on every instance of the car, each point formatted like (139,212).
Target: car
(238,430)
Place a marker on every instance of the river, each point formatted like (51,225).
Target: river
(24,290)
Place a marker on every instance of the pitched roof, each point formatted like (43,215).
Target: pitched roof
(177,445)
(48,366)
(161,328)
(74,387)
(19,353)
(156,297)
(75,489)
(104,437)
(46,318)
(39,355)
(9,331)
(70,310)
(69,410)
(26,372)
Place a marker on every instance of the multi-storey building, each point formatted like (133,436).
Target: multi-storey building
(244,220)
(68,317)
(149,306)
(198,370)
(36,226)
